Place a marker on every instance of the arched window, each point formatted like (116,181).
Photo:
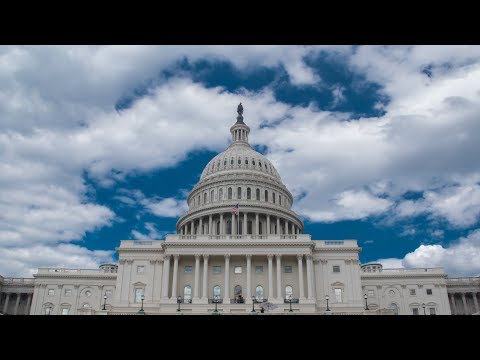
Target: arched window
(253,162)
(237,291)
(231,162)
(218,164)
(212,194)
(229,193)
(249,193)
(239,192)
(266,195)
(217,291)
(288,292)
(258,194)
(246,161)
(225,162)
(198,200)
(259,293)
(394,307)
(239,161)
(187,293)
(220,195)
(279,199)
(204,197)
(273,197)
(260,164)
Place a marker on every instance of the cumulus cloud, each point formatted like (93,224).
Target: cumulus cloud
(152,234)
(168,207)
(460,258)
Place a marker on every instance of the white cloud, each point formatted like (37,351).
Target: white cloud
(391,263)
(168,207)
(338,95)
(153,233)
(460,258)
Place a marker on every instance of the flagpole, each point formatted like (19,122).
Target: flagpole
(238,221)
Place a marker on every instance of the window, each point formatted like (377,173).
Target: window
(68,292)
(415,311)
(51,292)
(217,269)
(198,201)
(239,193)
(336,268)
(280,200)
(211,195)
(238,270)
(432,311)
(237,290)
(205,198)
(273,197)
(220,194)
(394,307)
(338,295)
(429,291)
(288,268)
(258,194)
(259,293)
(371,293)
(288,292)
(249,193)
(138,294)
(225,162)
(229,193)
(239,161)
(246,161)
(258,269)
(140,269)
(253,162)
(187,293)
(48,309)
(188,269)
(266,195)
(260,164)
(412,292)
(65,311)
(217,292)
(231,162)
(108,293)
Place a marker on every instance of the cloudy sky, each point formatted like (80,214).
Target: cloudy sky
(103,143)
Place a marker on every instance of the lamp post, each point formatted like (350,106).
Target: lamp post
(179,300)
(48,310)
(104,301)
(141,311)
(423,305)
(253,305)
(366,303)
(290,299)
(216,300)
(326,298)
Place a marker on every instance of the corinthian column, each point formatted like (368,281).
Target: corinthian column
(270,276)
(300,276)
(226,300)
(249,276)
(279,274)
(197,277)
(175,276)
(205,277)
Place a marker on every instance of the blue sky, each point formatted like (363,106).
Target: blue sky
(103,143)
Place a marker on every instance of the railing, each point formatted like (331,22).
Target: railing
(185,301)
(213,301)
(273,237)
(18,281)
(237,301)
(293,301)
(334,242)
(413,270)
(76,271)
(469,280)
(142,243)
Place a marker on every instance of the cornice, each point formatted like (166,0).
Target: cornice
(78,276)
(336,249)
(234,244)
(401,275)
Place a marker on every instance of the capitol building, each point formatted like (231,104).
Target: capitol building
(239,249)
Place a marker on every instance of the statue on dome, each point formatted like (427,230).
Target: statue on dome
(240,109)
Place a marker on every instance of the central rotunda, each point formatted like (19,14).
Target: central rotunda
(240,178)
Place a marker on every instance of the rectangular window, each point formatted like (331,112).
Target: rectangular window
(108,293)
(217,269)
(188,269)
(288,268)
(51,292)
(429,291)
(336,268)
(138,294)
(338,295)
(412,292)
(371,293)
(238,270)
(68,292)
(258,269)
(432,311)
(140,269)
(65,311)
(415,311)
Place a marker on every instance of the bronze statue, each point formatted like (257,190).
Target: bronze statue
(240,109)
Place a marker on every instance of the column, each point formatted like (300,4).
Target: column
(278,226)
(210,229)
(475,301)
(175,276)
(249,277)
(222,225)
(325,277)
(465,309)
(226,289)
(298,231)
(279,274)
(100,296)
(309,276)
(158,280)
(286,227)
(192,228)
(29,302)
(205,277)
(234,226)
(197,277)
(126,284)
(75,299)
(270,276)
(200,227)
(166,276)
(348,271)
(268,225)
(16,304)
(453,306)
(256,224)
(245,228)
(300,276)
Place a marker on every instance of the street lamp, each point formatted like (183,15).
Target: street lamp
(253,305)
(366,304)
(326,298)
(290,300)
(104,301)
(141,311)
(216,300)
(48,310)
(423,305)
(179,300)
